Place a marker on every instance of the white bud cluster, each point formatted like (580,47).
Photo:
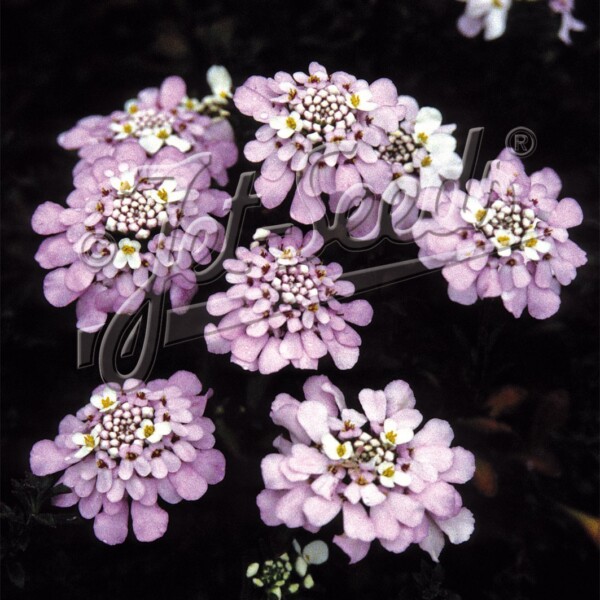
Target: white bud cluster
(324,111)
(137,213)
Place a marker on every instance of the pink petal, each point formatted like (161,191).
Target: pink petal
(355,549)
(357,523)
(46,458)
(46,219)
(320,511)
(189,484)
(270,359)
(172,91)
(149,522)
(112,529)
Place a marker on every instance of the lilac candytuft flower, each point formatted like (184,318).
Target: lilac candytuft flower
(129,446)
(283,307)
(325,129)
(129,218)
(508,238)
(389,483)
(490,17)
(568,22)
(161,118)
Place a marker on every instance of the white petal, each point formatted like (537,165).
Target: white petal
(179,143)
(120,259)
(134,260)
(151,144)
(219,80)
(428,120)
(316,553)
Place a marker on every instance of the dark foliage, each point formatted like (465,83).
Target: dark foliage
(537,445)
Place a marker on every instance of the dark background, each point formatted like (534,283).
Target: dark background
(65,60)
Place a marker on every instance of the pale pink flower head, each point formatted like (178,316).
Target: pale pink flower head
(508,238)
(389,481)
(130,446)
(161,118)
(489,16)
(313,125)
(128,219)
(285,306)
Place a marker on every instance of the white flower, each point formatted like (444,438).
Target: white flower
(389,476)
(166,192)
(315,553)
(128,254)
(441,160)
(392,435)
(334,450)
(87,441)
(286,125)
(131,106)
(106,401)
(287,256)
(188,103)
(220,83)
(153,432)
(153,140)
(533,246)
(491,13)
(475,213)
(503,240)
(125,184)
(361,100)
(123,130)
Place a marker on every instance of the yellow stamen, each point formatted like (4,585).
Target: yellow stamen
(106,402)
(355,100)
(389,472)
(148,430)
(423,137)
(224,95)
(504,240)
(127,128)
(340,450)
(426,161)
(132,109)
(163,134)
(291,123)
(162,194)
(127,249)
(124,186)
(89,441)
(391,436)
(531,242)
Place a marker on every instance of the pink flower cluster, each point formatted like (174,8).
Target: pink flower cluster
(132,225)
(326,130)
(390,483)
(129,446)
(161,118)
(506,238)
(283,307)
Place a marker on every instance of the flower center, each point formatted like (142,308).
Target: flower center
(324,111)
(401,149)
(138,213)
